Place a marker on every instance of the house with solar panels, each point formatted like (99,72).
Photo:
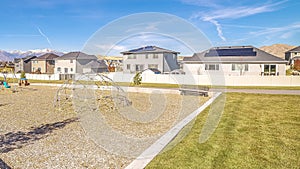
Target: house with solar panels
(234,61)
(148,57)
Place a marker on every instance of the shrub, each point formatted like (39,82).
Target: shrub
(23,74)
(137,79)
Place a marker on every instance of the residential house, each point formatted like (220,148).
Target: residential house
(23,64)
(149,57)
(77,63)
(292,55)
(44,63)
(234,61)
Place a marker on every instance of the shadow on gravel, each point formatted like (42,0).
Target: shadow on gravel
(16,140)
(3,165)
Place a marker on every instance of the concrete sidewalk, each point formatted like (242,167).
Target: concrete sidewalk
(262,91)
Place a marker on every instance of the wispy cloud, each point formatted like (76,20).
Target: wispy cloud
(234,13)
(43,35)
(219,29)
(284,29)
(19,35)
(203,3)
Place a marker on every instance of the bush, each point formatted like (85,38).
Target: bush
(137,79)
(23,74)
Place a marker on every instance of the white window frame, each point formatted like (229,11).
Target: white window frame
(212,67)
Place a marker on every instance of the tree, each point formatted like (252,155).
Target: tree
(137,79)
(23,75)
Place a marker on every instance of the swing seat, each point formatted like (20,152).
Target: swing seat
(6,85)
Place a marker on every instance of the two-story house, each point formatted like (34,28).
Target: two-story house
(77,63)
(149,57)
(44,63)
(292,55)
(23,64)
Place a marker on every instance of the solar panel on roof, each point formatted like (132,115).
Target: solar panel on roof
(147,48)
(231,52)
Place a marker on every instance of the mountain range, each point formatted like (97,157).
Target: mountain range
(277,49)
(10,55)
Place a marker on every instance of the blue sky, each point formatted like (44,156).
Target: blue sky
(67,25)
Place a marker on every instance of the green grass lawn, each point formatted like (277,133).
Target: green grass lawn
(255,131)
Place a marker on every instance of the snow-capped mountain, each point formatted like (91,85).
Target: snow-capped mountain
(10,55)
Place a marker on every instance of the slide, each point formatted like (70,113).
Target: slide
(6,85)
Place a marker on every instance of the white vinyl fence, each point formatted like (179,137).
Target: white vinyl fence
(186,79)
(33,76)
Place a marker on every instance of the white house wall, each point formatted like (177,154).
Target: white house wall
(141,60)
(226,69)
(65,64)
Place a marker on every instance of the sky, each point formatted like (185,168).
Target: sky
(70,25)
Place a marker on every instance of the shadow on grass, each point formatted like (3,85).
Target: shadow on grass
(15,140)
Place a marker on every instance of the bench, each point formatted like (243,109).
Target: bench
(194,90)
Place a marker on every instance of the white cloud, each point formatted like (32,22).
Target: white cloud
(234,13)
(43,35)
(19,35)
(284,29)
(219,29)
(205,3)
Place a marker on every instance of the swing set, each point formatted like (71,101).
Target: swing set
(5,73)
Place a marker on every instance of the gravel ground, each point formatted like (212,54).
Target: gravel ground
(34,134)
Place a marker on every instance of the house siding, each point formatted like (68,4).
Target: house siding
(65,64)
(226,69)
(166,62)
(38,64)
(141,60)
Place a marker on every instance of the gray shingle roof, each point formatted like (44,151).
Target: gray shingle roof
(148,49)
(296,49)
(96,64)
(47,56)
(28,58)
(76,56)
(236,54)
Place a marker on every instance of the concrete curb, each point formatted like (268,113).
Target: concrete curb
(144,159)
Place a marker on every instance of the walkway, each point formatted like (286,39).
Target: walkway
(263,91)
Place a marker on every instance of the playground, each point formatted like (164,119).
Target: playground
(8,79)
(35,134)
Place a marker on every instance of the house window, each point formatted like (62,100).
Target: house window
(58,69)
(71,69)
(295,53)
(66,70)
(153,66)
(51,62)
(139,67)
(269,69)
(155,56)
(240,67)
(71,61)
(133,56)
(128,66)
(146,56)
(33,69)
(211,66)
